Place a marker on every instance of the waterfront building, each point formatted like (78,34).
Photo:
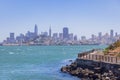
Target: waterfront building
(65,33)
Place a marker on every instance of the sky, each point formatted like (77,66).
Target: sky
(82,17)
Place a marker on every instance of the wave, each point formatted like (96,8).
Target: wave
(11,53)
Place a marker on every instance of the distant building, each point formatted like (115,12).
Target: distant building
(36,30)
(50,32)
(55,35)
(93,37)
(60,35)
(65,33)
(111,33)
(116,34)
(75,37)
(12,38)
(71,36)
(20,38)
(100,35)
(44,34)
(83,38)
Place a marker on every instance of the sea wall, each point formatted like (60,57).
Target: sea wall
(93,70)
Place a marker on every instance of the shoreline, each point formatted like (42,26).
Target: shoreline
(92,70)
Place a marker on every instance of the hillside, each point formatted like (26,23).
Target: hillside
(113,49)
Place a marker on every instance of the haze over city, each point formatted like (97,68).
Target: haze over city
(82,17)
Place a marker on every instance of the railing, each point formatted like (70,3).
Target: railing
(97,57)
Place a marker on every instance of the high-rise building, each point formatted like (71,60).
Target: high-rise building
(116,34)
(12,35)
(50,32)
(55,35)
(60,35)
(65,33)
(44,34)
(93,37)
(83,38)
(71,36)
(100,35)
(36,30)
(111,33)
(75,37)
(12,38)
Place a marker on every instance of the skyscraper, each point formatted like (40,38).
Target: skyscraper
(116,34)
(75,37)
(50,32)
(65,33)
(111,33)
(12,38)
(71,36)
(36,30)
(12,35)
(99,35)
(60,35)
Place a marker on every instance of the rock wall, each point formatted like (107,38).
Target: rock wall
(92,70)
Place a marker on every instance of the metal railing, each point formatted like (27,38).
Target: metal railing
(97,57)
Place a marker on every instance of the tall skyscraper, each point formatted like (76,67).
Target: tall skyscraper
(116,34)
(12,35)
(111,33)
(36,30)
(50,31)
(100,35)
(65,33)
(12,38)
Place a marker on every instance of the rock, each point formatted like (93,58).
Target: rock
(64,69)
(70,60)
(86,72)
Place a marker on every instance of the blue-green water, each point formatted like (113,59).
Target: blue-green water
(38,62)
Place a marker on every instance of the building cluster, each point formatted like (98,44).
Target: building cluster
(44,38)
(64,38)
(107,38)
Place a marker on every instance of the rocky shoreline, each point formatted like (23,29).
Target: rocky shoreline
(90,70)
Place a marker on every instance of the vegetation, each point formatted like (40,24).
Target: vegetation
(112,47)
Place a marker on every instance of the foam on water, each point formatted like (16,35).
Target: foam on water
(11,53)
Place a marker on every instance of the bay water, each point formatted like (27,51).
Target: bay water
(38,62)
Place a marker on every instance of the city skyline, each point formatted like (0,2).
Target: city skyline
(63,38)
(83,18)
(64,34)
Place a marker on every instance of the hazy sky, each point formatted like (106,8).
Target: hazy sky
(82,17)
